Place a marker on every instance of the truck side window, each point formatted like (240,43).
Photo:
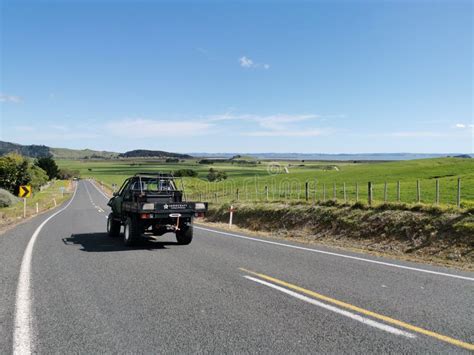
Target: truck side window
(123,187)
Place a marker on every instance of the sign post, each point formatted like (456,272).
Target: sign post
(24,191)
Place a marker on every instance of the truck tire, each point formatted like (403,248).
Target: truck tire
(113,226)
(185,235)
(131,232)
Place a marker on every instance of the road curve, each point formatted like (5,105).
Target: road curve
(82,291)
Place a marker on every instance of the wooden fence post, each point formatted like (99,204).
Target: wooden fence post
(398,191)
(458,199)
(369,193)
(256,188)
(315,190)
(266,193)
(237,194)
(306,191)
(418,191)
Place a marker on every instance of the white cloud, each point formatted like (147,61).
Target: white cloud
(259,118)
(10,98)
(145,128)
(58,132)
(246,62)
(281,122)
(411,134)
(274,125)
(277,125)
(59,127)
(464,126)
(24,128)
(287,133)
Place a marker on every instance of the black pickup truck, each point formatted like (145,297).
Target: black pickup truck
(151,203)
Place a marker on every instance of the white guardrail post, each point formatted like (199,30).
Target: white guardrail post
(231,215)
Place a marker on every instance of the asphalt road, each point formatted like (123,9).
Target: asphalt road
(75,290)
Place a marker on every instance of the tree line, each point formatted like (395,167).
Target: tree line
(17,170)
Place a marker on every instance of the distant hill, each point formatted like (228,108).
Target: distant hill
(464,156)
(65,153)
(33,151)
(143,153)
(39,151)
(333,157)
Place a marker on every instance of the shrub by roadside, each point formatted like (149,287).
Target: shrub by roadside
(7,199)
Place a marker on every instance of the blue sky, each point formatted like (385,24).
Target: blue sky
(250,76)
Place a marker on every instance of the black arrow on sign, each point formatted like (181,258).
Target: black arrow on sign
(24,190)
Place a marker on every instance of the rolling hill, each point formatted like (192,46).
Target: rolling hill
(142,153)
(38,151)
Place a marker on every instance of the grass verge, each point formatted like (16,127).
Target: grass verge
(434,235)
(45,200)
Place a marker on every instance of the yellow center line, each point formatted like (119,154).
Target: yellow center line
(386,319)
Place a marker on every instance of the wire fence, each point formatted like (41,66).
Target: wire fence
(435,191)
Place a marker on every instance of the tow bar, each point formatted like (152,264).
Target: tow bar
(175,215)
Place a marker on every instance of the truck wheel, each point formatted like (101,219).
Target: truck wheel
(113,226)
(131,232)
(185,235)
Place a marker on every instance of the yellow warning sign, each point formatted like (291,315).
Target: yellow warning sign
(25,191)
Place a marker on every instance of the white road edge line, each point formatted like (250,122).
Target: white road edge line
(334,309)
(22,340)
(103,194)
(339,255)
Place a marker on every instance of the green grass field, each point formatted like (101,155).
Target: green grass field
(45,200)
(252,180)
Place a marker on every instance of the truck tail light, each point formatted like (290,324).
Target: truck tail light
(199,214)
(146,216)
